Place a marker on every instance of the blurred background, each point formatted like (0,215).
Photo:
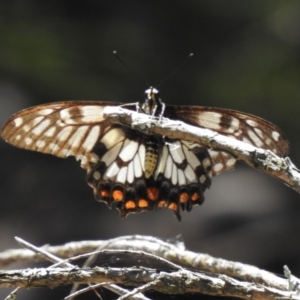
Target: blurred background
(246,57)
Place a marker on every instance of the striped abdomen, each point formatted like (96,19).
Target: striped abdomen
(151,155)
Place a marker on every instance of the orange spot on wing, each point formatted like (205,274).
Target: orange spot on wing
(152,193)
(162,203)
(130,204)
(117,195)
(104,193)
(173,206)
(195,196)
(143,203)
(183,197)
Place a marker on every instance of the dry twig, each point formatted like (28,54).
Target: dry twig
(173,276)
(260,159)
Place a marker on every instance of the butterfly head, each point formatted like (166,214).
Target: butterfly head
(151,93)
(153,104)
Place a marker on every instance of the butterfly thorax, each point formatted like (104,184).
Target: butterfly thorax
(153,105)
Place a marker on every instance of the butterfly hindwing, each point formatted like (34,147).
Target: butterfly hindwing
(181,171)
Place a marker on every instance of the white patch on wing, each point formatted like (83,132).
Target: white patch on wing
(130,173)
(26,128)
(234,125)
(213,154)
(122,174)
(275,135)
(238,133)
(268,141)
(83,160)
(50,132)
(128,151)
(112,137)
(142,153)
(40,144)
(64,134)
(191,157)
(230,162)
(257,141)
(246,140)
(82,115)
(176,152)
(64,152)
(53,147)
(225,155)
(91,114)
(137,166)
(206,163)
(168,169)
(190,174)
(36,120)
(91,138)
(190,145)
(218,167)
(162,162)
(174,175)
(252,123)
(40,127)
(18,121)
(209,119)
(96,175)
(28,141)
(112,171)
(181,178)
(259,132)
(46,111)
(111,154)
(202,179)
(173,146)
(94,158)
(76,139)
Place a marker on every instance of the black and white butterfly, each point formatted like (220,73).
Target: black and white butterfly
(136,171)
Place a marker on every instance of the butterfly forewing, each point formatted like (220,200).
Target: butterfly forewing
(136,171)
(62,129)
(241,126)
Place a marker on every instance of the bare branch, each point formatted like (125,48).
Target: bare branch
(172,253)
(178,282)
(260,159)
(249,281)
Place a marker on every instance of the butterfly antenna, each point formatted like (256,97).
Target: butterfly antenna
(176,69)
(129,69)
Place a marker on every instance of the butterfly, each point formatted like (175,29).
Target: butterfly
(132,169)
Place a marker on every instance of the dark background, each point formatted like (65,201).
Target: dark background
(247,57)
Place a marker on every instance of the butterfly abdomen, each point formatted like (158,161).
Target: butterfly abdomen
(151,156)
